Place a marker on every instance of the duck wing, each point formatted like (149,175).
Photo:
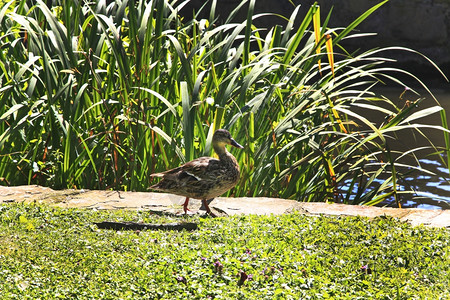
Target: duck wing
(200,169)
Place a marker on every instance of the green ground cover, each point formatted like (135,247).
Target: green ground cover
(51,253)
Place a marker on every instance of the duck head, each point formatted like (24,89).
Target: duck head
(223,137)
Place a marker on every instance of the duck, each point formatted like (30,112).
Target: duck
(204,178)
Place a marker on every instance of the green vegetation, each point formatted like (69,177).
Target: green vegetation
(50,253)
(100,96)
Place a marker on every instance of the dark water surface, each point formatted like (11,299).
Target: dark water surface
(432,191)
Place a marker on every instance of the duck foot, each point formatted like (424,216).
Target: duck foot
(208,210)
(187,213)
(185,206)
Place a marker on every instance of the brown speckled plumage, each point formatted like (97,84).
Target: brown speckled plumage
(205,177)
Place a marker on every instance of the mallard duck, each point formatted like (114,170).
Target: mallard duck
(203,178)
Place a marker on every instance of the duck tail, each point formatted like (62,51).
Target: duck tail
(155,187)
(164,185)
(157,175)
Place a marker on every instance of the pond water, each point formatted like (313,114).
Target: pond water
(432,191)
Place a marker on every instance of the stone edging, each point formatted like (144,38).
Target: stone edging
(166,203)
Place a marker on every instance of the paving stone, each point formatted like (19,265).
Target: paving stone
(171,204)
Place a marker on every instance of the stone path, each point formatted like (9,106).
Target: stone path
(166,203)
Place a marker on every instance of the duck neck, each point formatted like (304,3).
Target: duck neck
(220,150)
(226,157)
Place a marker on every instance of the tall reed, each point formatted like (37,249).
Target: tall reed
(99,96)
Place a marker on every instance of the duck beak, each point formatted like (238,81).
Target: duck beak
(235,144)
